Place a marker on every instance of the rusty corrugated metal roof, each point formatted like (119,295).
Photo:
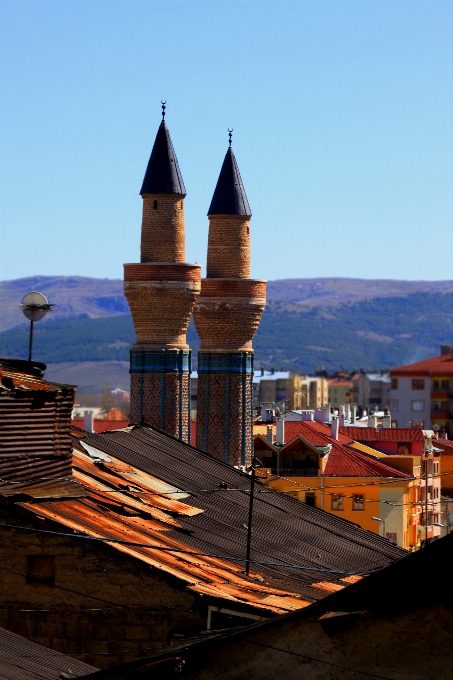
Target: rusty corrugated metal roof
(146,484)
(35,438)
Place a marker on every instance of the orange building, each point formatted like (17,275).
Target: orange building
(379,492)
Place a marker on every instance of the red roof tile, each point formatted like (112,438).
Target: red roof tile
(340,382)
(442,364)
(317,433)
(391,434)
(344,461)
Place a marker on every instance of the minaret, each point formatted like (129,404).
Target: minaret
(227,315)
(161,292)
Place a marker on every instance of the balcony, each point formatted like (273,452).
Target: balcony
(440,415)
(296,472)
(441,394)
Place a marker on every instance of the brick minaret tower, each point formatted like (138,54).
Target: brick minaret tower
(161,292)
(227,315)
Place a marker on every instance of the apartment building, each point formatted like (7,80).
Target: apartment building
(340,391)
(371,390)
(421,394)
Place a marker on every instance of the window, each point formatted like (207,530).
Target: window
(155,205)
(357,503)
(418,384)
(444,385)
(417,423)
(436,468)
(394,424)
(436,518)
(436,492)
(418,405)
(41,569)
(394,384)
(310,499)
(337,502)
(393,404)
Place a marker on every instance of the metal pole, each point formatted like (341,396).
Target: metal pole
(426,502)
(30,344)
(249,525)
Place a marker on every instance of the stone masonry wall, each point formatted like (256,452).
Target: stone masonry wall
(105,608)
(162,228)
(228,247)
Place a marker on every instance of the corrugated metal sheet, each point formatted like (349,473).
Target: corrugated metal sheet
(35,438)
(134,514)
(21,659)
(285,531)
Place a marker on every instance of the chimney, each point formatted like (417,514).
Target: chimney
(319,415)
(341,420)
(309,415)
(348,411)
(443,435)
(353,413)
(372,421)
(262,371)
(269,435)
(334,427)
(341,409)
(446,349)
(387,422)
(88,421)
(280,431)
(327,413)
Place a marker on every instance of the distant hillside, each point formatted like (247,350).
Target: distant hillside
(74,296)
(378,332)
(77,296)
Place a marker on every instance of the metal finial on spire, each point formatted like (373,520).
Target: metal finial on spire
(163,108)
(230,135)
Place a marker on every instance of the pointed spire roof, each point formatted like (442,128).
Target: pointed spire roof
(163,175)
(229,196)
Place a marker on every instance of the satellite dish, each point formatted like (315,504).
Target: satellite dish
(35,306)
(403,450)
(436,427)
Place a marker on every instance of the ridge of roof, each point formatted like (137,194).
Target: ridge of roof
(163,175)
(385,434)
(229,196)
(442,364)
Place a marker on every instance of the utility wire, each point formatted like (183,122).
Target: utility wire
(182,550)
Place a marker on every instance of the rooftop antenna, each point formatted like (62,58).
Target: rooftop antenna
(163,108)
(230,135)
(35,307)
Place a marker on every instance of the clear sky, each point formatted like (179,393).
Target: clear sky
(342,114)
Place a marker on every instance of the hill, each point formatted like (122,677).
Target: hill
(376,332)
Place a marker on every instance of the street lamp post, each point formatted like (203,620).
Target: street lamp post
(378,519)
(34,306)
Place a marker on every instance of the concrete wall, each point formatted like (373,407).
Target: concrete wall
(405,395)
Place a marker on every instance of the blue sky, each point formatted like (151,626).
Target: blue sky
(342,115)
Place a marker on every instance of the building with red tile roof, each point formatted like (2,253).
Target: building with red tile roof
(421,393)
(326,468)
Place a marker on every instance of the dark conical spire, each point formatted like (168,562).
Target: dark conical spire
(229,196)
(163,175)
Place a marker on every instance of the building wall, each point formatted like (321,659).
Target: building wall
(104,608)
(361,645)
(402,402)
(375,491)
